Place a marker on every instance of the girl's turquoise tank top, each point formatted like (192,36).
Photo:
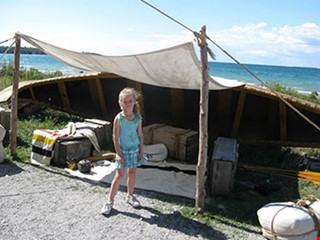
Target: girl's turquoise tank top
(128,136)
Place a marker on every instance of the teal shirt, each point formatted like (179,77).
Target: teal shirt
(128,136)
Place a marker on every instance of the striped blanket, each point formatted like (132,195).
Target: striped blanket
(43,141)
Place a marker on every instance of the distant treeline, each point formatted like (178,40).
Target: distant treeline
(23,50)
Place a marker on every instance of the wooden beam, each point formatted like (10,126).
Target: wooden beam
(272,120)
(102,101)
(257,142)
(14,97)
(225,105)
(33,96)
(237,118)
(64,95)
(97,96)
(283,121)
(177,103)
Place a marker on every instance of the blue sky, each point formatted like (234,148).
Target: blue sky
(273,32)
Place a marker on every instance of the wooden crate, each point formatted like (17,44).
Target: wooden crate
(148,132)
(182,144)
(78,147)
(71,149)
(223,166)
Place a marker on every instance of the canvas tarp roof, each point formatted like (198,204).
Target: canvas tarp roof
(175,67)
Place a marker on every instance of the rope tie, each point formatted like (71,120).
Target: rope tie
(7,50)
(274,234)
(7,40)
(305,204)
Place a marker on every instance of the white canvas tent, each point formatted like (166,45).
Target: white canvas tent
(175,67)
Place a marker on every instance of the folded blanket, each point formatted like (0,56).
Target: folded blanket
(82,129)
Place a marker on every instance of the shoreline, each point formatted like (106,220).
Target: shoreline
(283,75)
(304,92)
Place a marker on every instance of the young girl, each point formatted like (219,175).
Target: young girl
(128,144)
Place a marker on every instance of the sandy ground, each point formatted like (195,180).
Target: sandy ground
(38,203)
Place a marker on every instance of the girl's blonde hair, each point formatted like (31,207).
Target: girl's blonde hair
(136,95)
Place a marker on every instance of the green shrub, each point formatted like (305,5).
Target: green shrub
(6,74)
(312,97)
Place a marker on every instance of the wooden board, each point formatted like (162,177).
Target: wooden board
(223,166)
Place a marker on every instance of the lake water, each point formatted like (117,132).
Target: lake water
(299,78)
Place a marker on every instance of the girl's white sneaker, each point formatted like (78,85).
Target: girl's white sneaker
(107,208)
(133,201)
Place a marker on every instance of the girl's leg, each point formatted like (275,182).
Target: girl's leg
(131,180)
(116,183)
(132,200)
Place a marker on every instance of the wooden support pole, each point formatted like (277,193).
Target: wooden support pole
(101,97)
(283,121)
(203,123)
(237,118)
(64,95)
(14,97)
(177,103)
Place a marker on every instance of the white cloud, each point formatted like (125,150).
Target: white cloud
(251,43)
(248,42)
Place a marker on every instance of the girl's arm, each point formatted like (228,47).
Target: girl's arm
(140,134)
(116,133)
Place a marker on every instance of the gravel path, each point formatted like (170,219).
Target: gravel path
(38,203)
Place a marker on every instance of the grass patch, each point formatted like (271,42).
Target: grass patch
(47,119)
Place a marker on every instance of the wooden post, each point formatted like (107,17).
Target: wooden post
(14,97)
(203,123)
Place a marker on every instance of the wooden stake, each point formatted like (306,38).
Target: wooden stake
(203,123)
(14,97)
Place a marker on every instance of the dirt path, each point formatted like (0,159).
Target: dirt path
(37,203)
